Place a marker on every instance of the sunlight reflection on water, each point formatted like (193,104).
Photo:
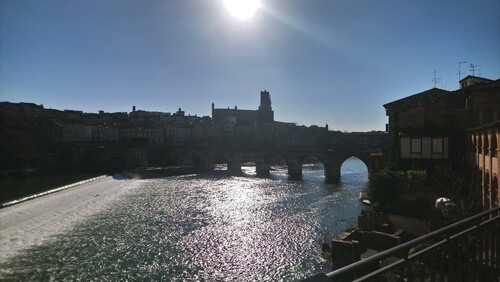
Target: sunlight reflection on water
(206,227)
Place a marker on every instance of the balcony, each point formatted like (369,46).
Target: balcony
(467,250)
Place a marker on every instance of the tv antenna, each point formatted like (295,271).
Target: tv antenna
(459,69)
(436,79)
(474,68)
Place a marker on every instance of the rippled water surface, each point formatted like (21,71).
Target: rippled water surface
(204,227)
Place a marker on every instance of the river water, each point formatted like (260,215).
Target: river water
(208,227)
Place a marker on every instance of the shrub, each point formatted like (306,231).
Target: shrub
(416,179)
(387,185)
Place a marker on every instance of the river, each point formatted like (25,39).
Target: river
(207,227)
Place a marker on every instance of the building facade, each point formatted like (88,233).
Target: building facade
(264,114)
(483,155)
(426,130)
(439,130)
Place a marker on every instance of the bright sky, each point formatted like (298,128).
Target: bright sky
(332,62)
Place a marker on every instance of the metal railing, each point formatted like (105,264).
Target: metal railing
(468,250)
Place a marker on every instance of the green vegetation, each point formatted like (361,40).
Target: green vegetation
(402,192)
(413,193)
(387,186)
(464,190)
(326,251)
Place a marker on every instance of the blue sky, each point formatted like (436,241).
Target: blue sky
(323,61)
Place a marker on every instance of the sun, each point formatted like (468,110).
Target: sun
(242,9)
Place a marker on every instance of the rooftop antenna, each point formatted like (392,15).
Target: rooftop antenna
(436,79)
(459,69)
(473,69)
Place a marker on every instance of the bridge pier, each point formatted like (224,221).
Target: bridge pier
(295,170)
(332,172)
(376,163)
(262,168)
(234,167)
(201,167)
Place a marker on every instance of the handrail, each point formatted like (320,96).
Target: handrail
(405,246)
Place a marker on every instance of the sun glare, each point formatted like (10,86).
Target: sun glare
(242,9)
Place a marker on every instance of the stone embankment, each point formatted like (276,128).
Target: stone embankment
(376,232)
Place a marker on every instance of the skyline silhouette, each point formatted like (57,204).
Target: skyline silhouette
(324,62)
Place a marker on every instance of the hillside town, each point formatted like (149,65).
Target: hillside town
(36,139)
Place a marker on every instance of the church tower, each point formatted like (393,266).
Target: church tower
(265,101)
(265,110)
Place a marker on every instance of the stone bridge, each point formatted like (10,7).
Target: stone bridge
(206,157)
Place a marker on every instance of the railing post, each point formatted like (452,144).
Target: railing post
(421,269)
(432,265)
(409,270)
(459,262)
(442,267)
(487,254)
(497,239)
(474,256)
(401,274)
(451,258)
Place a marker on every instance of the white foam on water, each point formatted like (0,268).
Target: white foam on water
(33,222)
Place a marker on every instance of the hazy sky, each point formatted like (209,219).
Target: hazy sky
(323,61)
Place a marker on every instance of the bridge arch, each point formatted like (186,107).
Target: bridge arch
(337,158)
(206,157)
(219,158)
(237,159)
(354,165)
(264,160)
(232,159)
(364,157)
(296,162)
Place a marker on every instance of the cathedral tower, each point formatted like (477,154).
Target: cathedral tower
(265,110)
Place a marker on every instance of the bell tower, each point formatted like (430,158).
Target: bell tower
(265,110)
(265,101)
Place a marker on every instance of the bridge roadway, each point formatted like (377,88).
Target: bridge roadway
(205,157)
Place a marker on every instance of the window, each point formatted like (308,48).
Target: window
(494,144)
(416,145)
(488,116)
(485,98)
(437,145)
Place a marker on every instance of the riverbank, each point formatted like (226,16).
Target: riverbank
(17,188)
(33,196)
